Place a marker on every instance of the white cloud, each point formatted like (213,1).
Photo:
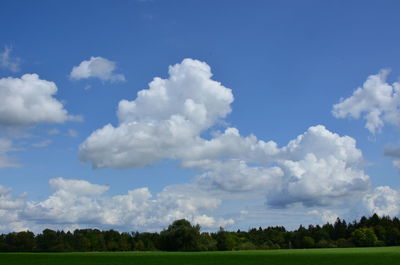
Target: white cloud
(376,101)
(6,61)
(231,144)
(327,216)
(28,100)
(10,207)
(383,200)
(167,120)
(97,67)
(235,176)
(325,144)
(317,168)
(77,187)
(163,122)
(320,168)
(78,202)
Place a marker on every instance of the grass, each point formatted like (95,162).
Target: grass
(354,256)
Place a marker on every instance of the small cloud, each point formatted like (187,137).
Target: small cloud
(53,132)
(376,101)
(42,143)
(6,61)
(29,100)
(97,67)
(72,133)
(326,216)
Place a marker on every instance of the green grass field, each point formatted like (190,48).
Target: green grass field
(362,256)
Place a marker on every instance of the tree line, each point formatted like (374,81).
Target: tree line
(181,235)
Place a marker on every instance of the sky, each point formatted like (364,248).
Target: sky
(129,115)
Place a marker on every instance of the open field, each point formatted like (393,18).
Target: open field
(364,256)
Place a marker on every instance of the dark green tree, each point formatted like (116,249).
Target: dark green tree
(180,236)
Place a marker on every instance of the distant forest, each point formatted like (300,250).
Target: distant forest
(183,236)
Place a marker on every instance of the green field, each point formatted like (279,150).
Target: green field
(364,256)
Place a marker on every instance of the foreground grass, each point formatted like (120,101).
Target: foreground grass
(354,256)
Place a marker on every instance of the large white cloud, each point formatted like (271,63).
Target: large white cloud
(320,168)
(317,168)
(97,67)
(167,121)
(377,101)
(28,100)
(163,121)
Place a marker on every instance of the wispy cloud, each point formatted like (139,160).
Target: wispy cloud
(72,133)
(7,61)
(53,131)
(43,143)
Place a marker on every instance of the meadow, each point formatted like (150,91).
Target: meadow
(354,256)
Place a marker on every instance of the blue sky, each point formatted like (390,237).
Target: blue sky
(220,150)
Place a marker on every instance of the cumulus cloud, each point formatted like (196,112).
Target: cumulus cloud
(383,200)
(6,61)
(317,168)
(167,121)
(237,176)
(163,121)
(97,67)
(10,208)
(320,168)
(78,202)
(377,101)
(28,100)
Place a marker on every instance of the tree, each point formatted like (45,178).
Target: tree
(180,236)
(48,240)
(225,240)
(207,243)
(308,242)
(364,237)
(339,229)
(25,241)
